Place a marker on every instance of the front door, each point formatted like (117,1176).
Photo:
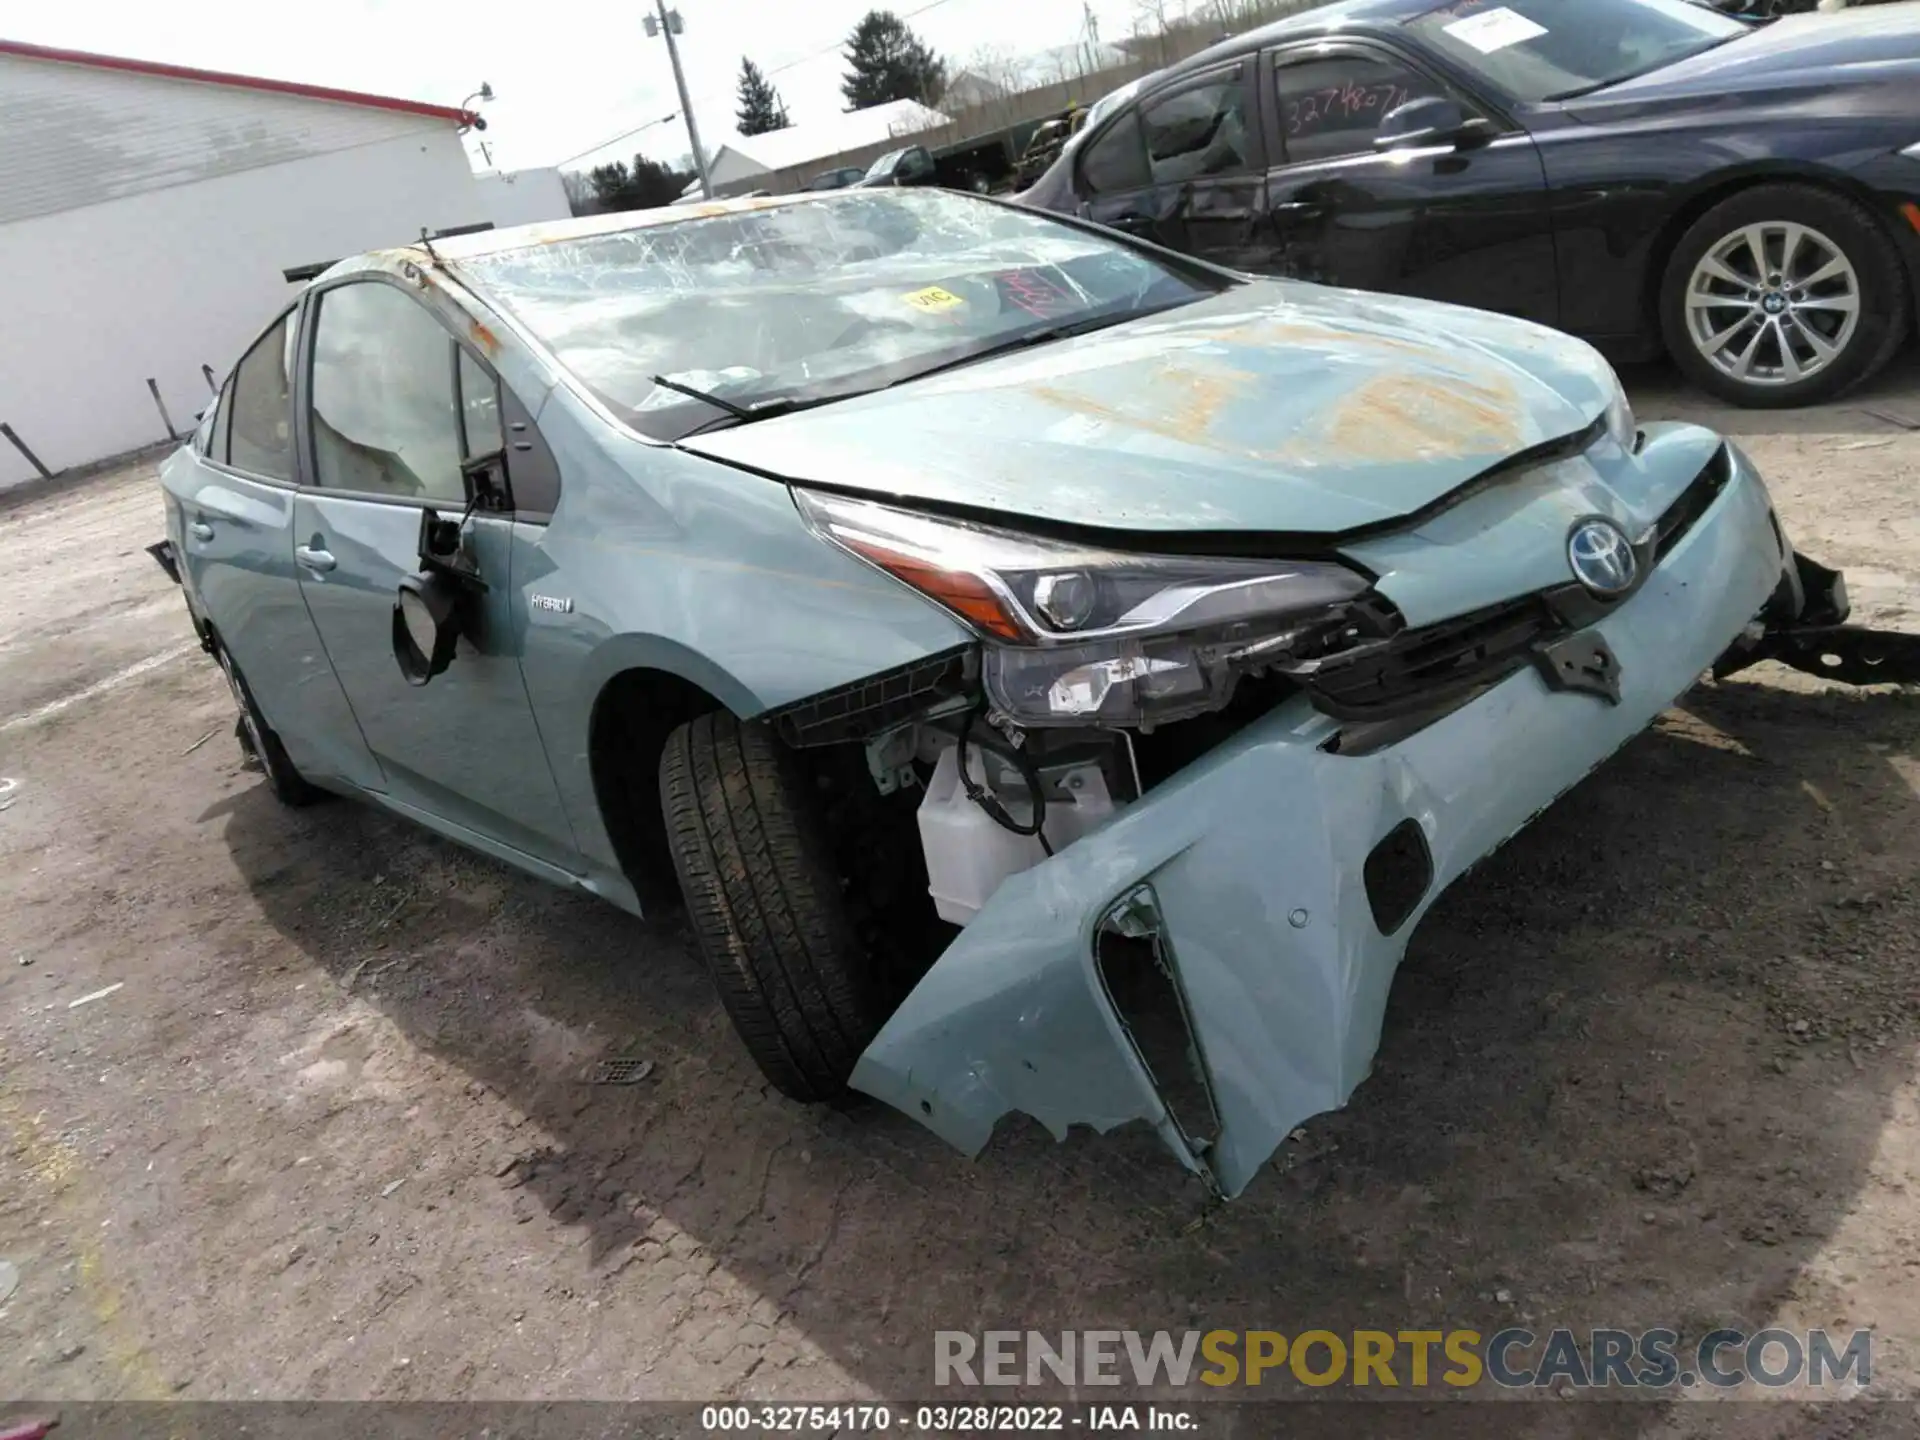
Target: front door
(1467,224)
(398,412)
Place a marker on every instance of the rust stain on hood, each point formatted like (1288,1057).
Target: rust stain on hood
(1184,403)
(1399,415)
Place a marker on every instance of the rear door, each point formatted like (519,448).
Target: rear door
(1186,168)
(1467,224)
(398,414)
(236,501)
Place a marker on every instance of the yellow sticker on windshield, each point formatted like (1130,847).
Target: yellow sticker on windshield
(933,298)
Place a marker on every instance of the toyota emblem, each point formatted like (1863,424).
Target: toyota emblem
(1602,558)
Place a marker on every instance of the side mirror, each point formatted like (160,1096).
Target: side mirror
(427,621)
(1434,120)
(434,606)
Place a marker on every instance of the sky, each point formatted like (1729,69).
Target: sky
(567,74)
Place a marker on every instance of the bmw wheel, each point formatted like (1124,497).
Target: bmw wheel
(260,748)
(1783,295)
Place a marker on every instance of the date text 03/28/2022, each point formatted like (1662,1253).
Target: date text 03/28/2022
(944,1419)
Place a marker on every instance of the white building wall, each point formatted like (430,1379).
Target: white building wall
(522,197)
(77,135)
(160,281)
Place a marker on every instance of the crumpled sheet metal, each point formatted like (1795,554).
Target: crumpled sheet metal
(1013,1015)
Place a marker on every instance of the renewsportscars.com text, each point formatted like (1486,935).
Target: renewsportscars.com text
(1512,1358)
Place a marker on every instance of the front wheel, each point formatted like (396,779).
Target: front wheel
(751,849)
(1783,295)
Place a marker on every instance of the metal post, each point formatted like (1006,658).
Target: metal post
(21,446)
(686,105)
(153,389)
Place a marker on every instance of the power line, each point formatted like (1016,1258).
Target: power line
(711,94)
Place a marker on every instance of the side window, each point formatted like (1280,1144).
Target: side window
(1333,106)
(261,426)
(1202,131)
(1116,161)
(384,418)
(479,410)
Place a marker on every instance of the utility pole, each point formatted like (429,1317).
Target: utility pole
(669,24)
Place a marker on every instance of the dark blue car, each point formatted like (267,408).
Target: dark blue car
(1646,174)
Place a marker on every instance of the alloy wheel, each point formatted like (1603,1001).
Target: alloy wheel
(1773,304)
(251,741)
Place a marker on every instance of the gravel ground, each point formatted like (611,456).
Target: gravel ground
(1654,1063)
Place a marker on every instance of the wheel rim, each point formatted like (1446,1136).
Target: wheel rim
(249,731)
(1773,304)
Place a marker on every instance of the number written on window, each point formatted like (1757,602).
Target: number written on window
(1341,105)
(1333,107)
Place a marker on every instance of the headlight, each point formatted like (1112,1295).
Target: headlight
(1084,636)
(1622,428)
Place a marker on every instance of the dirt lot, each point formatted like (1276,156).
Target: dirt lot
(1654,1063)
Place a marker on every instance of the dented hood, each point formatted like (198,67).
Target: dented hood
(1275,406)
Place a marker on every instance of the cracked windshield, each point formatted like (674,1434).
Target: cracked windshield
(813,301)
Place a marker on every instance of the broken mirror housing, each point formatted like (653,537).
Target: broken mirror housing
(1079,635)
(432,606)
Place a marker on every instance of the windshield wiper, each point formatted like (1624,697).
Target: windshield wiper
(1043,335)
(759,410)
(739,412)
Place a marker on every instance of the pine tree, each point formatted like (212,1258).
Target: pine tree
(760,109)
(640,186)
(887,61)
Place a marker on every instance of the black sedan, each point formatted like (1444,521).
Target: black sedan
(1647,174)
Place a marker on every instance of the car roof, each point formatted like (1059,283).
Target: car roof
(480,243)
(1351,16)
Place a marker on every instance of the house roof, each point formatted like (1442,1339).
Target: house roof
(819,139)
(243,82)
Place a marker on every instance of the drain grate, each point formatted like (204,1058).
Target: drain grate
(625,1070)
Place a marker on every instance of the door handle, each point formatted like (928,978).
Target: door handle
(319,561)
(200,530)
(1131,224)
(1298,208)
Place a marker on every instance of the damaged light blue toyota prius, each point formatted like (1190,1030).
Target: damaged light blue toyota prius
(1058,673)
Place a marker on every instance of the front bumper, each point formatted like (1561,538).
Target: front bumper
(1255,858)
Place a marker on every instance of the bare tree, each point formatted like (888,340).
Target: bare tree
(580,192)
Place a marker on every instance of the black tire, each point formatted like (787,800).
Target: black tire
(1882,295)
(259,746)
(753,858)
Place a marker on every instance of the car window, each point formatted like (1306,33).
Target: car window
(1332,107)
(479,409)
(1545,49)
(1117,161)
(384,419)
(1202,131)
(814,298)
(261,428)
